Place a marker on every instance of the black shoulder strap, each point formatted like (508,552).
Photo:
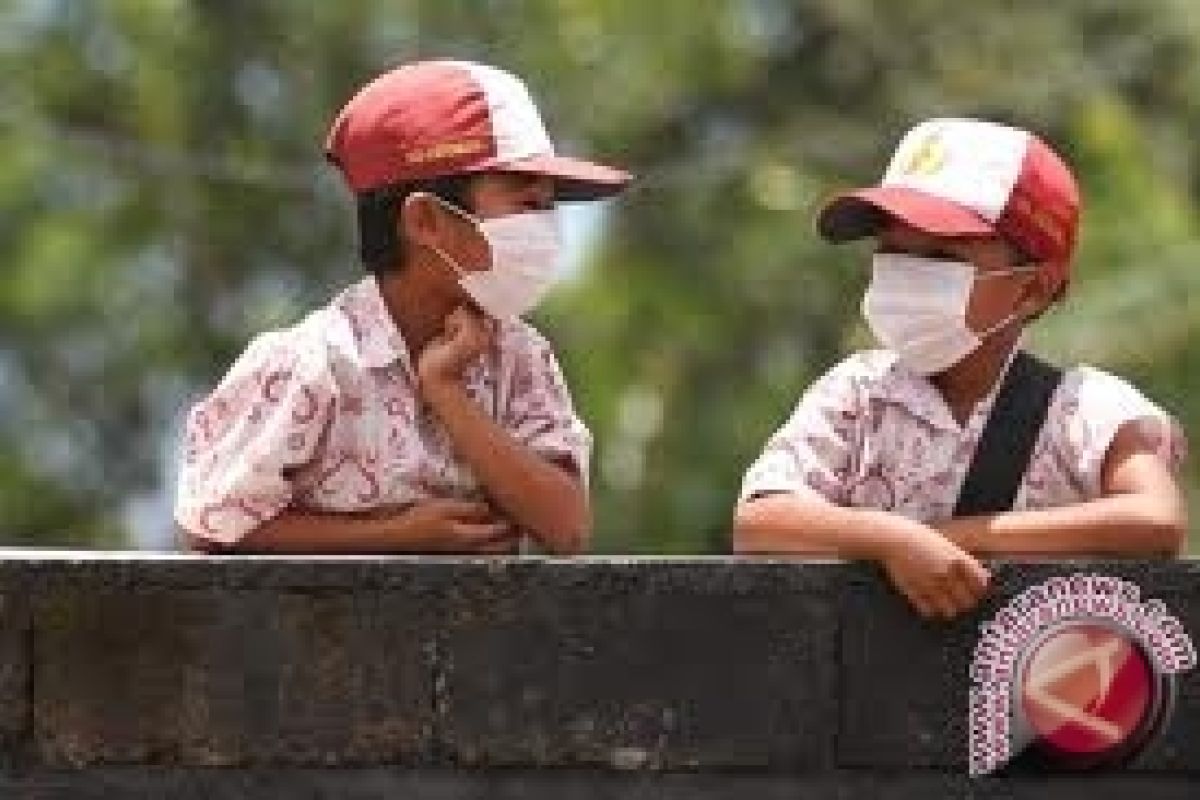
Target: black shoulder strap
(1006,444)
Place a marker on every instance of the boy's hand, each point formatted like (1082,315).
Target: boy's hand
(457,526)
(938,577)
(965,532)
(466,334)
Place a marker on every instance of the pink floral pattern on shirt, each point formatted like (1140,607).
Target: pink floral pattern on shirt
(871,434)
(325,415)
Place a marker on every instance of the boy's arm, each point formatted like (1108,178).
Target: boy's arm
(1141,512)
(434,526)
(791,523)
(265,418)
(934,574)
(796,502)
(539,495)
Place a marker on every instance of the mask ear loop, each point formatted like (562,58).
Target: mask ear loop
(1016,315)
(450,262)
(454,265)
(1029,313)
(451,207)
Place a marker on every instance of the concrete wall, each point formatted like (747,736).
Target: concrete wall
(151,676)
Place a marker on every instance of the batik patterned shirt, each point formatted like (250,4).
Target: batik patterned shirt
(326,416)
(872,434)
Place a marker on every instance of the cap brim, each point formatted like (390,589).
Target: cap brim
(862,213)
(576,179)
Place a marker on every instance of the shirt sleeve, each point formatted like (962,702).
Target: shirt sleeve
(1098,406)
(815,450)
(241,442)
(539,412)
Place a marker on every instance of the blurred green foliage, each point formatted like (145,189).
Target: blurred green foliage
(162,198)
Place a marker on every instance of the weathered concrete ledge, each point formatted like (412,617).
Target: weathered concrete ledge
(131,675)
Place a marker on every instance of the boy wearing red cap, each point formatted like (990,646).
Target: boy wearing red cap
(416,412)
(975,226)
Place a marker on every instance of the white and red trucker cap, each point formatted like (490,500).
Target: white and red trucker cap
(432,119)
(965,177)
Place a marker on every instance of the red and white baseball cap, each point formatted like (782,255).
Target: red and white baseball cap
(964,177)
(432,119)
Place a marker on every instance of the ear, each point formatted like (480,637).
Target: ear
(420,219)
(1039,293)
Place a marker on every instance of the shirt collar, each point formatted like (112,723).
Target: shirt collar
(917,394)
(379,339)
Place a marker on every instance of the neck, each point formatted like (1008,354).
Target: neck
(417,302)
(963,385)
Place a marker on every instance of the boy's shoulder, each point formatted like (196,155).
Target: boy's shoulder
(273,360)
(876,373)
(855,382)
(872,365)
(1084,388)
(304,345)
(869,371)
(1082,374)
(1092,405)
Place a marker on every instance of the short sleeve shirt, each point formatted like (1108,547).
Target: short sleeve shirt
(326,416)
(872,434)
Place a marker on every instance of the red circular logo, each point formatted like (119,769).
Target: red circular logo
(1088,690)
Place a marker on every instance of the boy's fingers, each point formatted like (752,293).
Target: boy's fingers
(501,544)
(458,319)
(459,328)
(965,589)
(943,603)
(966,584)
(961,594)
(926,606)
(481,513)
(468,321)
(974,573)
(474,510)
(481,531)
(506,542)
(915,598)
(472,316)
(945,594)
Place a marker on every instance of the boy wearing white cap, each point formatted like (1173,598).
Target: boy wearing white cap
(416,412)
(951,442)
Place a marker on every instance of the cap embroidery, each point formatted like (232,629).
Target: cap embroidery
(445,150)
(929,156)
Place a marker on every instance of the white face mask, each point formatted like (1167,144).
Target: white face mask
(524,253)
(917,307)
